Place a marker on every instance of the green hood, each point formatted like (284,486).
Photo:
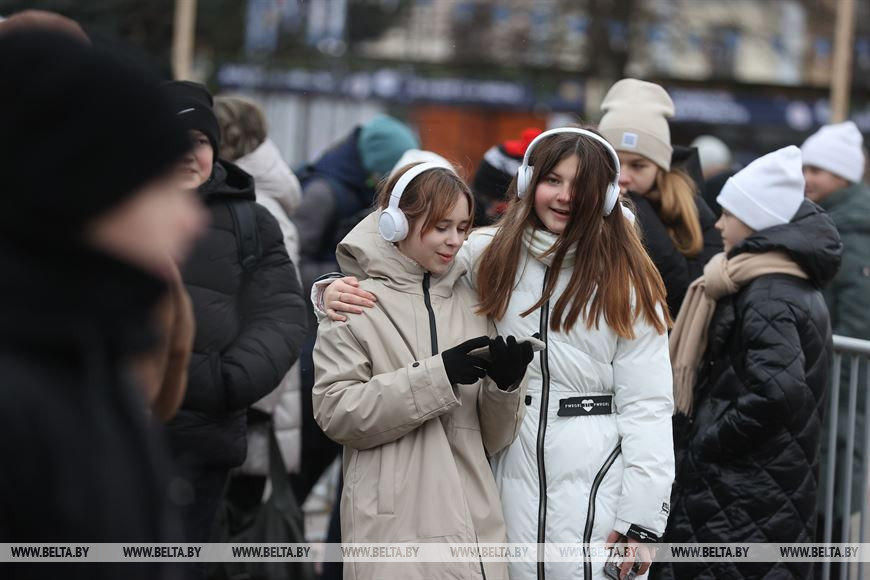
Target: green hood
(850,208)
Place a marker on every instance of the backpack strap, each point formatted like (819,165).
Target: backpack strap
(247,234)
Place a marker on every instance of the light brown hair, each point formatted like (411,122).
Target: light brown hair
(433,194)
(612,269)
(242,123)
(678,212)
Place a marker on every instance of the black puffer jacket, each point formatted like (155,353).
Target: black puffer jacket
(748,458)
(677,270)
(249,327)
(80,463)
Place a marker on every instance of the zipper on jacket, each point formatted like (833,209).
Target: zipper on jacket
(433,330)
(590,510)
(480,557)
(542,433)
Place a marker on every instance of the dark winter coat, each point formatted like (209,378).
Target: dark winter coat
(848,299)
(748,458)
(712,187)
(676,269)
(80,462)
(249,326)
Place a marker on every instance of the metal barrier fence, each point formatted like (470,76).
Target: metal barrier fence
(858,354)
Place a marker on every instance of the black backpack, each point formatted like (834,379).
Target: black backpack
(247,235)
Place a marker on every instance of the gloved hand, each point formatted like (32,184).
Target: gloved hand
(461,367)
(509,361)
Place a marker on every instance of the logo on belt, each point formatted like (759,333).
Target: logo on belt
(585,406)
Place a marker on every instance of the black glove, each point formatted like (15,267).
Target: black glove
(461,367)
(509,361)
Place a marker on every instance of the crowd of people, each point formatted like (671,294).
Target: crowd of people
(602,337)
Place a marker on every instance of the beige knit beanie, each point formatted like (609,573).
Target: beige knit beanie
(636,120)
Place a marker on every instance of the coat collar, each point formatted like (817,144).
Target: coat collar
(365,250)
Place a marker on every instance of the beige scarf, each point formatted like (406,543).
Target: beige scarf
(722,277)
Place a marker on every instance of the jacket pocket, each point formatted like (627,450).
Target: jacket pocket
(387,479)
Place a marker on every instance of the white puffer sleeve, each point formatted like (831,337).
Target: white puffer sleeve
(644,401)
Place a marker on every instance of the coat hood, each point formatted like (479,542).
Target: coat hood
(850,208)
(273,178)
(365,252)
(811,239)
(227,180)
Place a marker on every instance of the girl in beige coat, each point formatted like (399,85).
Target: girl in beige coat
(418,426)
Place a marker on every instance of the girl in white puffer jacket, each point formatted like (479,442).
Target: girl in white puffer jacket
(594,458)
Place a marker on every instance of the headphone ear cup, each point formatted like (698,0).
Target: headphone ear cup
(611,199)
(524,180)
(393,224)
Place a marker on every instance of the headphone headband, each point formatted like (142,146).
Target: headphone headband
(393,224)
(612,194)
(408,177)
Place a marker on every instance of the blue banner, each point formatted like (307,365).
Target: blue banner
(403,86)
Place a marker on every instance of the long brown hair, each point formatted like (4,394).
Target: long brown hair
(611,268)
(678,212)
(432,194)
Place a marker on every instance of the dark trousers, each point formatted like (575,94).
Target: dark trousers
(334,570)
(318,450)
(208,485)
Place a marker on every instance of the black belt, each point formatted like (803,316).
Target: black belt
(586,406)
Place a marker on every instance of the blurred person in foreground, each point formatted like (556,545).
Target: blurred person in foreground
(29,20)
(751,352)
(91,215)
(162,370)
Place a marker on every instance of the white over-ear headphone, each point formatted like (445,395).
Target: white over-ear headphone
(393,224)
(525,171)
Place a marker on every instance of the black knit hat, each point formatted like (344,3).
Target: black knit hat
(81,131)
(194,106)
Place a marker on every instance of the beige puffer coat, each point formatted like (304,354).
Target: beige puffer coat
(416,447)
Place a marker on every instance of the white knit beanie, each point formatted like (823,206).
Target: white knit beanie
(836,148)
(768,191)
(635,120)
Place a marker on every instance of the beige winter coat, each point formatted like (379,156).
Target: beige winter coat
(416,447)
